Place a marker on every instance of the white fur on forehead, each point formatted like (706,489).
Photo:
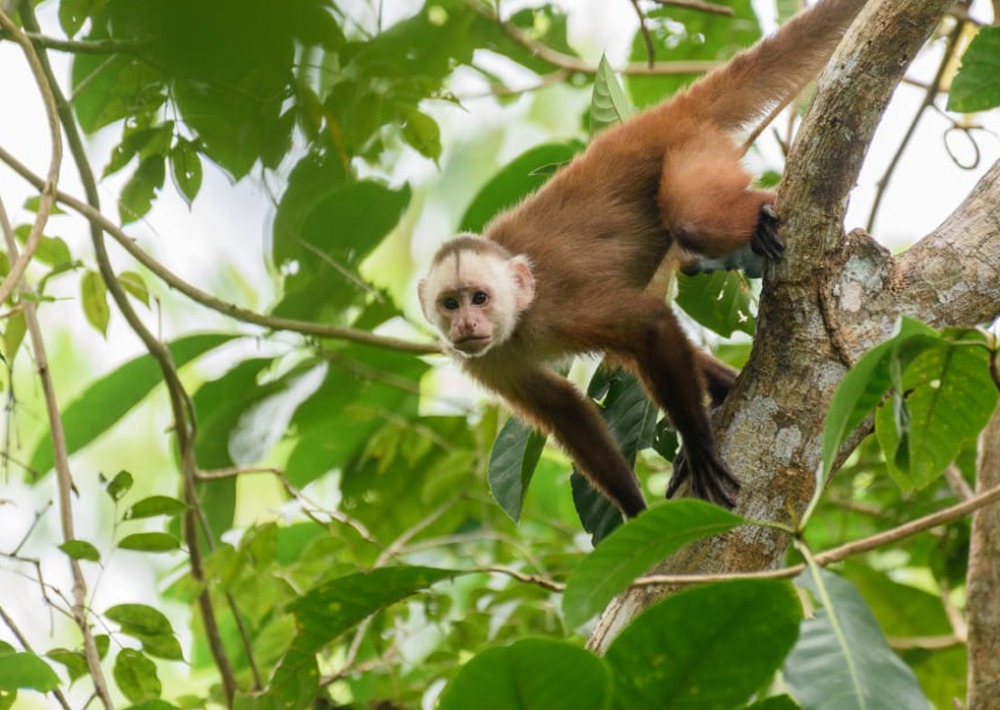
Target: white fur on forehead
(466,270)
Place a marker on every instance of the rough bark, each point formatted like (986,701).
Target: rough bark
(983,581)
(833,297)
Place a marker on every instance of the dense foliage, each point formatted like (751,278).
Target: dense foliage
(322,532)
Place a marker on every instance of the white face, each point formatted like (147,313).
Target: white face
(474,300)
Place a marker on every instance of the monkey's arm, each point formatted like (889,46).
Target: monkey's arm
(553,404)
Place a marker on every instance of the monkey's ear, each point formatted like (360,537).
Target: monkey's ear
(422,295)
(524,280)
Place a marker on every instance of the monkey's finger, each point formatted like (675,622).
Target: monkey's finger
(765,241)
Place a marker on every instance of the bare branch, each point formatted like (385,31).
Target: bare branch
(197,295)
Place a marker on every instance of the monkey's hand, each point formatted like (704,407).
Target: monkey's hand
(710,477)
(764,241)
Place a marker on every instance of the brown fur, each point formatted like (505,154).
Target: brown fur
(597,232)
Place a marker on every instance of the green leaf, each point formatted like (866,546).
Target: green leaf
(185,169)
(515,454)
(515,181)
(530,674)
(635,547)
(120,485)
(106,401)
(150,627)
(13,335)
(777,702)
(51,250)
(74,661)
(330,609)
(721,301)
(976,87)
(608,104)
(842,660)
(155,505)
(708,648)
(150,542)
(135,285)
(74,13)
(863,387)
(949,399)
(136,676)
(26,670)
(631,417)
(81,550)
(421,132)
(136,198)
(94,296)
(139,620)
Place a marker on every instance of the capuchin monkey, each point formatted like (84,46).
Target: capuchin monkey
(566,271)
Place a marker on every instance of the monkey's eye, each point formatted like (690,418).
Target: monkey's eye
(480,297)
(450,304)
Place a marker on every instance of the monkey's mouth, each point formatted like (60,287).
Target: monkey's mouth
(473,344)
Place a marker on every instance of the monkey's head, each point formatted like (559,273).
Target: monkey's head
(474,294)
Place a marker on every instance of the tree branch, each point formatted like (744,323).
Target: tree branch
(320,330)
(983,580)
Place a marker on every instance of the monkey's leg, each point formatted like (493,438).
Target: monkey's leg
(706,204)
(647,333)
(719,377)
(553,404)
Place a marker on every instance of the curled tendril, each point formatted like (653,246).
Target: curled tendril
(967,132)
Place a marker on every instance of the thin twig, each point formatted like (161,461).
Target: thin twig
(932,91)
(78,46)
(932,520)
(646,37)
(293,491)
(708,7)
(197,295)
(529,578)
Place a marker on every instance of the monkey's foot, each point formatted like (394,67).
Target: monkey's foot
(711,479)
(764,241)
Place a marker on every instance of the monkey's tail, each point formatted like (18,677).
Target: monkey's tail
(775,69)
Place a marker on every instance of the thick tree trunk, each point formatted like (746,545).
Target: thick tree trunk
(983,582)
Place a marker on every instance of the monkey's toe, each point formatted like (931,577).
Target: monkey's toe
(764,241)
(711,479)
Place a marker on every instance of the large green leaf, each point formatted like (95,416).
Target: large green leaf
(515,181)
(106,401)
(328,234)
(721,301)
(949,398)
(635,547)
(330,609)
(513,459)
(631,416)
(977,85)
(530,674)
(136,676)
(864,386)
(706,648)
(26,670)
(842,660)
